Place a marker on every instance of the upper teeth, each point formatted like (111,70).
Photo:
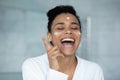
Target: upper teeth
(68,39)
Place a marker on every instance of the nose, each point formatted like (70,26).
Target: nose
(68,31)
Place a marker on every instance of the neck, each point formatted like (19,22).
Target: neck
(68,62)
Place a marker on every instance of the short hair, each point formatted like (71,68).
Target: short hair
(53,13)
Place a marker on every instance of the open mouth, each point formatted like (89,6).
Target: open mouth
(67,42)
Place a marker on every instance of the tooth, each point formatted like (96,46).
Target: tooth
(67,39)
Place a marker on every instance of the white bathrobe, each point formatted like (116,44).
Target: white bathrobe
(38,69)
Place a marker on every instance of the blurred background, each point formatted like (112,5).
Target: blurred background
(22,22)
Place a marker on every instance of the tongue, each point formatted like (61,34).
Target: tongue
(68,45)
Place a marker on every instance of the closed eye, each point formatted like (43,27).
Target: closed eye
(60,28)
(75,28)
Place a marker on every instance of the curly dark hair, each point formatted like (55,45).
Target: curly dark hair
(51,14)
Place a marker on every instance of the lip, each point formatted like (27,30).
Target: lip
(68,38)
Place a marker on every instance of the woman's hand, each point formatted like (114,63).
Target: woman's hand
(53,53)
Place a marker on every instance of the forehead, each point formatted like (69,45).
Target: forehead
(65,17)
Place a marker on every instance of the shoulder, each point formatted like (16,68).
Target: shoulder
(35,61)
(90,70)
(89,65)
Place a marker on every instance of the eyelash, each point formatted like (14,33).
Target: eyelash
(75,28)
(72,28)
(60,28)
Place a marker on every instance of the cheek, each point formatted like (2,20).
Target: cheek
(56,34)
(78,33)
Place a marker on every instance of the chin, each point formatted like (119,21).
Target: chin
(68,53)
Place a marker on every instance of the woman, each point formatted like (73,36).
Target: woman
(60,61)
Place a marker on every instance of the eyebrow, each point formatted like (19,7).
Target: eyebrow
(60,23)
(75,23)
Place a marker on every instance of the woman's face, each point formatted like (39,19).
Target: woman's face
(65,33)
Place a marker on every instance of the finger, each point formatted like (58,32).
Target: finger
(58,54)
(47,45)
(55,54)
(52,50)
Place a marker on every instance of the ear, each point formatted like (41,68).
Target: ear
(49,35)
